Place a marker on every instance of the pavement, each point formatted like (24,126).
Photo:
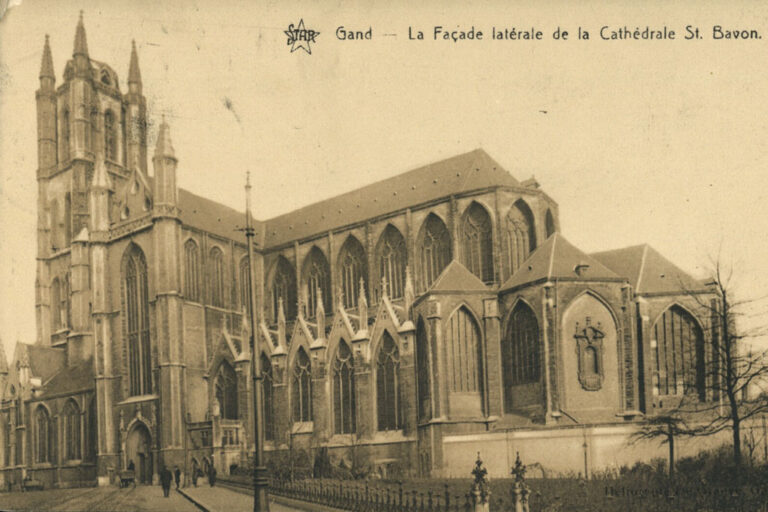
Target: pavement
(142,498)
(221,499)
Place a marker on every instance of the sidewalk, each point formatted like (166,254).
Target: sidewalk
(220,499)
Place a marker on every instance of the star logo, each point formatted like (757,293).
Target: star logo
(299,37)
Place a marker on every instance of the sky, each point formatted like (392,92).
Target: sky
(658,142)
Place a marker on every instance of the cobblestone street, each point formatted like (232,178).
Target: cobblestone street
(97,499)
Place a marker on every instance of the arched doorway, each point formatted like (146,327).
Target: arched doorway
(139,450)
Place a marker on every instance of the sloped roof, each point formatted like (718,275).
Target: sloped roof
(210,216)
(469,171)
(456,276)
(43,361)
(557,258)
(71,379)
(647,270)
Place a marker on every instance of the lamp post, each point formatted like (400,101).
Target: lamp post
(260,499)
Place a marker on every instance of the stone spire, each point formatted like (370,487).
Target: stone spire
(320,314)
(362,306)
(409,294)
(81,45)
(46,66)
(3,360)
(101,178)
(134,74)
(164,147)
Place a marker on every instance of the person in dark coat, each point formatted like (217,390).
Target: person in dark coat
(165,480)
(176,475)
(212,475)
(195,475)
(131,465)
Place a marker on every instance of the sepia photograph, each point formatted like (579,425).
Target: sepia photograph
(340,256)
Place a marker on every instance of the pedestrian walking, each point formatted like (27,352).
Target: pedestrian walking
(212,475)
(165,480)
(195,475)
(176,475)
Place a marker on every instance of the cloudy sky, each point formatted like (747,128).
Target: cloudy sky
(661,142)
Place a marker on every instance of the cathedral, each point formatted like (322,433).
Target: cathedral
(403,327)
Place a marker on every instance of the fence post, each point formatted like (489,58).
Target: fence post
(520,489)
(480,492)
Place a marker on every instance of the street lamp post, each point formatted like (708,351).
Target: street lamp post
(260,499)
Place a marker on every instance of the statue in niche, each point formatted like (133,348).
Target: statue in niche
(589,351)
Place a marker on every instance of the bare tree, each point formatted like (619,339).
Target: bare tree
(667,427)
(730,369)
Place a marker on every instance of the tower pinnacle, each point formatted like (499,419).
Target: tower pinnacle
(164,147)
(81,45)
(134,74)
(46,66)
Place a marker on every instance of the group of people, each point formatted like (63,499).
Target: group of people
(166,477)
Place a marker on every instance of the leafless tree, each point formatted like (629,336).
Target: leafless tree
(731,368)
(668,427)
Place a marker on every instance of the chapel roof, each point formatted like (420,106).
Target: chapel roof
(70,379)
(557,258)
(648,271)
(457,277)
(43,361)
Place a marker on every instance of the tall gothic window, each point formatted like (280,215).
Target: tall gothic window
(268,395)
(65,309)
(478,242)
(284,287)
(677,351)
(424,375)
(388,405)
(550,223)
(463,346)
(71,418)
(245,285)
(520,351)
(110,136)
(301,392)
(44,436)
(316,276)
(392,260)
(226,391)
(192,270)
(521,235)
(65,135)
(217,277)
(343,391)
(352,268)
(56,304)
(6,441)
(137,321)
(67,231)
(434,249)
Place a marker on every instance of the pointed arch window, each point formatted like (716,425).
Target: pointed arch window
(316,277)
(65,308)
(343,390)
(352,268)
(217,277)
(192,270)
(392,258)
(245,285)
(284,287)
(67,228)
(478,242)
(424,374)
(226,391)
(72,431)
(45,436)
(6,441)
(434,249)
(677,352)
(136,314)
(301,392)
(110,136)
(463,345)
(56,304)
(520,352)
(521,235)
(65,135)
(268,395)
(550,223)
(388,404)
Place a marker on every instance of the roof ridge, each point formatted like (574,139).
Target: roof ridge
(642,267)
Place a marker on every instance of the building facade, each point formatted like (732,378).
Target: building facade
(400,326)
